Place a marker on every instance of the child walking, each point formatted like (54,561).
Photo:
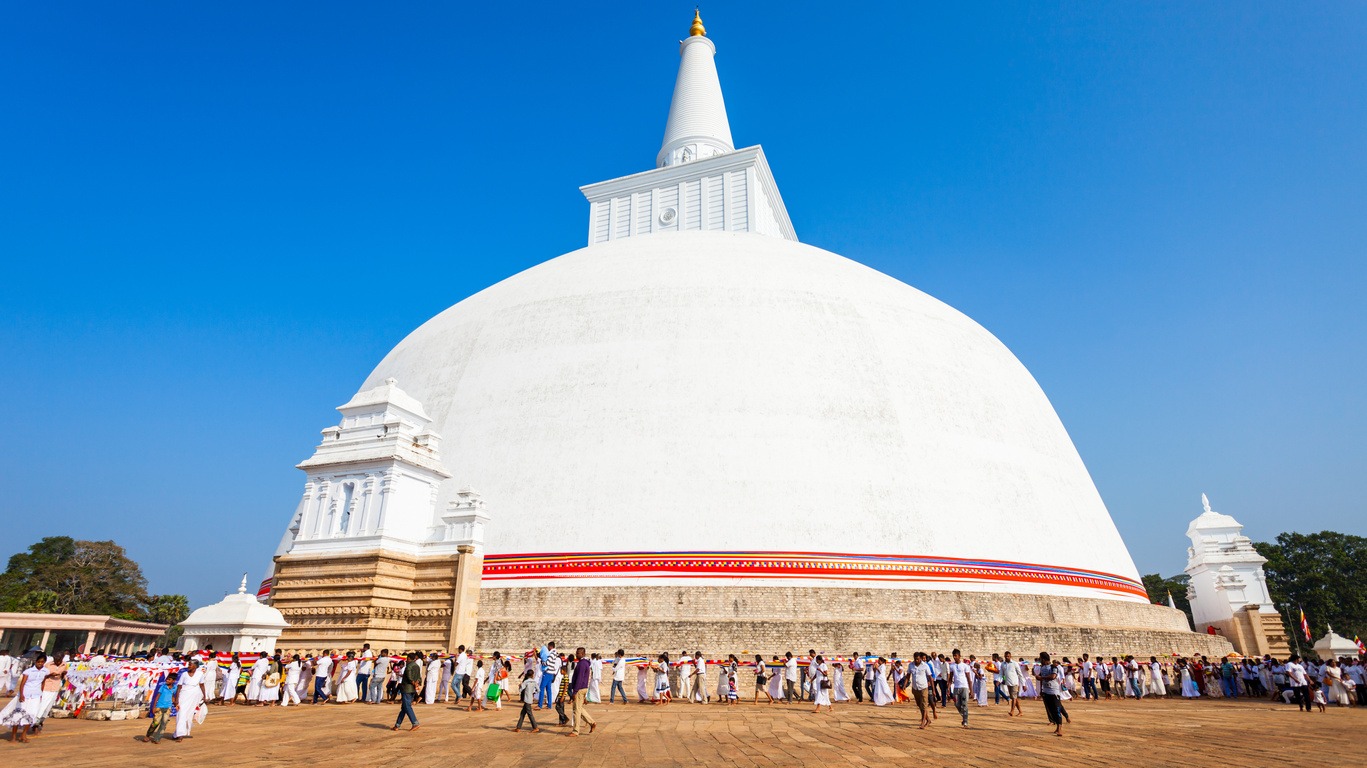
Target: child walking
(528,693)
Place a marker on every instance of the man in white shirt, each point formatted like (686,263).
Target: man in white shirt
(364,671)
(1011,681)
(291,682)
(684,669)
(1088,678)
(790,678)
(619,676)
(960,680)
(7,665)
(379,676)
(858,666)
(1299,681)
(921,677)
(461,673)
(322,668)
(700,691)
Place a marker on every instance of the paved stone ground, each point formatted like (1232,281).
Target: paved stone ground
(1123,733)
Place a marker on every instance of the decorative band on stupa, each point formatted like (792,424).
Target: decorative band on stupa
(825,566)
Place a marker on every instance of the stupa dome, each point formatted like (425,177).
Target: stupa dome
(731,393)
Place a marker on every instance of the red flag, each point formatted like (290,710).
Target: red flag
(1305,626)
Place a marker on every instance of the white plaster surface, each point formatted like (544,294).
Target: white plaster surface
(727,391)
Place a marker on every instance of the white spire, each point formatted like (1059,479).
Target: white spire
(697,126)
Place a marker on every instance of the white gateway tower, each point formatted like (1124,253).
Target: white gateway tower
(698,430)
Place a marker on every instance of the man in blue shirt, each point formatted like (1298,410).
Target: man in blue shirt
(160,707)
(550,665)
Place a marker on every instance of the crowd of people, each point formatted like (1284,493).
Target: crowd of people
(183,686)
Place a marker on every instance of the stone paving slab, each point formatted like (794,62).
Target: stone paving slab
(1118,733)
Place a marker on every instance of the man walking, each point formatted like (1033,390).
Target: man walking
(960,677)
(619,676)
(1011,681)
(790,678)
(410,685)
(322,667)
(461,672)
(858,666)
(579,684)
(550,665)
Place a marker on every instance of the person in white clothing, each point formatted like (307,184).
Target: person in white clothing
(291,692)
(429,693)
(7,664)
(346,682)
(685,670)
(700,691)
(378,677)
(1011,681)
(790,689)
(260,667)
(322,667)
(821,685)
(619,676)
(189,698)
(960,680)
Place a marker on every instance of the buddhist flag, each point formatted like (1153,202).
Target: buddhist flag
(1305,626)
(1361,648)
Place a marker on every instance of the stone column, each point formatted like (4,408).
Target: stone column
(89,642)
(465,598)
(42,644)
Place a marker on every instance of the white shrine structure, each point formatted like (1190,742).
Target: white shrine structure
(237,623)
(1228,589)
(1335,646)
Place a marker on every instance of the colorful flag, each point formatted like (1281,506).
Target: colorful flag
(1361,648)
(1305,626)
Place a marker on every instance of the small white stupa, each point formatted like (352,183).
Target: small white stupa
(236,623)
(1335,646)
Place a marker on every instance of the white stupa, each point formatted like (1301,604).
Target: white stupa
(238,622)
(696,399)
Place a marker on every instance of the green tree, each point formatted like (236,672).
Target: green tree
(1159,588)
(1323,573)
(37,601)
(85,577)
(167,609)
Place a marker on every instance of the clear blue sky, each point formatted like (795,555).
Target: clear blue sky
(214,221)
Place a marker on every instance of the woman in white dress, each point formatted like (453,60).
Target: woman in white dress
(821,685)
(662,690)
(188,698)
(260,667)
(838,684)
(595,680)
(642,676)
(1156,685)
(346,684)
(23,709)
(775,685)
(979,684)
(1332,678)
(1189,689)
(269,692)
(1028,689)
(882,692)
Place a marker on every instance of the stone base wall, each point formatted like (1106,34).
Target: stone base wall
(386,599)
(402,602)
(786,604)
(768,620)
(1255,634)
(747,638)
